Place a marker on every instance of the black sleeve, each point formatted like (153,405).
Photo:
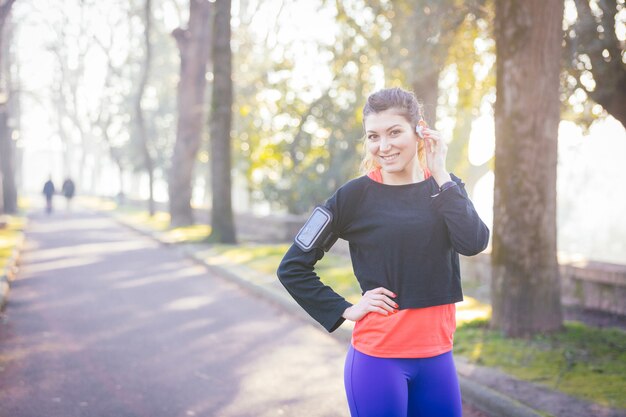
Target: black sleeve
(468,233)
(297,274)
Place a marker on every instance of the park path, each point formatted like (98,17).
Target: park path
(102,322)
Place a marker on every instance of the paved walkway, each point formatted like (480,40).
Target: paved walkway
(104,322)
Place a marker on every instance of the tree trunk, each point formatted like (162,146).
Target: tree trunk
(8,192)
(141,125)
(426,88)
(1,199)
(117,159)
(222,224)
(604,50)
(525,284)
(194,44)
(7,164)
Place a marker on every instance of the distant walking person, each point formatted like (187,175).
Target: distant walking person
(68,189)
(48,191)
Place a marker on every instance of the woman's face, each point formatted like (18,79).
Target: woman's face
(391,141)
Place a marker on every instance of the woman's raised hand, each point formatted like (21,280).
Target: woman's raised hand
(379,300)
(436,154)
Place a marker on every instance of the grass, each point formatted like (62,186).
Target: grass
(159,222)
(9,236)
(582,361)
(334,269)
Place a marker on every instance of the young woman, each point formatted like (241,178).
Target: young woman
(406,221)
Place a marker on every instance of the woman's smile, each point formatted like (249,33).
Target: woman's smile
(389,158)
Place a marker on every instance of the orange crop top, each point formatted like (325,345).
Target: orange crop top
(410,333)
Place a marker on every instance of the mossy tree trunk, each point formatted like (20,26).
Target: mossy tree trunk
(525,284)
(142,131)
(194,43)
(222,222)
(8,192)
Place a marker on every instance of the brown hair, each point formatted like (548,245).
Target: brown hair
(406,104)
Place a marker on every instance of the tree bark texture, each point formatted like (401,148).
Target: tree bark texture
(5,9)
(4,166)
(139,119)
(194,44)
(8,191)
(426,88)
(7,164)
(525,284)
(609,73)
(222,224)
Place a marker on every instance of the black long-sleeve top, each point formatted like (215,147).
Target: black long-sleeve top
(401,238)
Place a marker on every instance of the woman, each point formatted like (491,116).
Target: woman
(406,222)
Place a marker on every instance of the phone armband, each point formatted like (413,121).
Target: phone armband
(317,232)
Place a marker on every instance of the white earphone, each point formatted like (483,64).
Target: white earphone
(418,130)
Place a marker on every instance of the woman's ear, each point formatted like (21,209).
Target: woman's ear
(418,130)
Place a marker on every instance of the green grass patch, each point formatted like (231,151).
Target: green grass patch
(586,362)
(334,270)
(263,258)
(159,222)
(471,309)
(189,234)
(9,236)
(98,203)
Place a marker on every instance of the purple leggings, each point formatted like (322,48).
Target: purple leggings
(393,387)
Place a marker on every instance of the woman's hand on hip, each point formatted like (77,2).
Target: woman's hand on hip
(378,300)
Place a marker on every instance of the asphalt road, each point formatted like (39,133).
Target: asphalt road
(104,322)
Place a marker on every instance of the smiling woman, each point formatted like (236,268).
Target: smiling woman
(407,220)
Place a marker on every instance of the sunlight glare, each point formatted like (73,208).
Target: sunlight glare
(482,142)
(190,303)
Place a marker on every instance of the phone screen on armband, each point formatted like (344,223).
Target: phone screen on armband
(313,228)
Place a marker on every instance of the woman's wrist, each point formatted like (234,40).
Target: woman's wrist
(346,313)
(441,178)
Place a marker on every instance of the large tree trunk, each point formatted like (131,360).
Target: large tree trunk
(117,159)
(222,224)
(426,88)
(5,159)
(428,20)
(7,164)
(194,44)
(525,284)
(141,125)
(8,192)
